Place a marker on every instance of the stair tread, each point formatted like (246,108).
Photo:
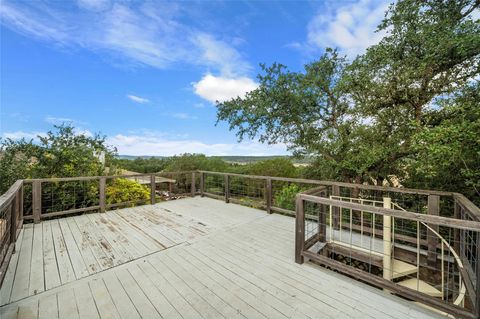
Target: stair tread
(401,268)
(423,287)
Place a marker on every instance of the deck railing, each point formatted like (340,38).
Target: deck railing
(422,245)
(340,225)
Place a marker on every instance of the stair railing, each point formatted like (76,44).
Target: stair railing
(462,291)
(444,243)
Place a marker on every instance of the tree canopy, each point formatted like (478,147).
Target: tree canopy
(60,153)
(406,107)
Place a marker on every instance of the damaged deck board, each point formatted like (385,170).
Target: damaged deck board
(58,251)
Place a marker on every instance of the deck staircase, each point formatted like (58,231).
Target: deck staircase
(403,273)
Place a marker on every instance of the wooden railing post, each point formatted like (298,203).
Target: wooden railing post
(152,189)
(20,202)
(432,239)
(193,186)
(268,195)
(299,230)
(36,200)
(227,188)
(387,240)
(322,221)
(101,201)
(202,183)
(13,220)
(336,210)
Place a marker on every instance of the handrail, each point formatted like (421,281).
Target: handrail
(461,294)
(334,183)
(9,195)
(432,219)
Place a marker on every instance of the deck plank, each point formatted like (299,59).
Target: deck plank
(48,307)
(87,308)
(65,267)
(7,286)
(78,264)
(52,275)
(83,243)
(141,302)
(123,303)
(22,275)
(103,300)
(176,300)
(37,274)
(67,305)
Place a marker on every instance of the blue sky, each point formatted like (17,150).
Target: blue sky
(146,74)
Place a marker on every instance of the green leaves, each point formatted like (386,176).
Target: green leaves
(394,110)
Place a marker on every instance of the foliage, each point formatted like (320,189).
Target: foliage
(143,165)
(448,153)
(124,190)
(285,198)
(273,167)
(368,118)
(60,153)
(190,162)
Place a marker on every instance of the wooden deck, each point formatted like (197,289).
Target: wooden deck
(190,258)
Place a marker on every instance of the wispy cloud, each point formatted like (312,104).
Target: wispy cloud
(218,88)
(184,116)
(60,120)
(138,99)
(17,135)
(349,27)
(150,33)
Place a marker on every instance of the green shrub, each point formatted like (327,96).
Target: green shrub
(124,190)
(285,198)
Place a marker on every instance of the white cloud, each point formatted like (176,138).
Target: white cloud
(161,146)
(350,27)
(184,116)
(94,5)
(58,120)
(138,99)
(218,88)
(150,33)
(216,52)
(17,135)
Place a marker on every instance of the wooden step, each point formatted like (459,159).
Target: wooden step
(401,268)
(423,287)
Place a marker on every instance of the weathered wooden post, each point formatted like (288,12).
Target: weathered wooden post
(20,203)
(268,194)
(102,198)
(299,229)
(433,207)
(227,188)
(153,188)
(36,200)
(13,220)
(387,240)
(336,210)
(193,186)
(322,220)
(202,183)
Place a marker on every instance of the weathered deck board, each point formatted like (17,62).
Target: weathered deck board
(241,268)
